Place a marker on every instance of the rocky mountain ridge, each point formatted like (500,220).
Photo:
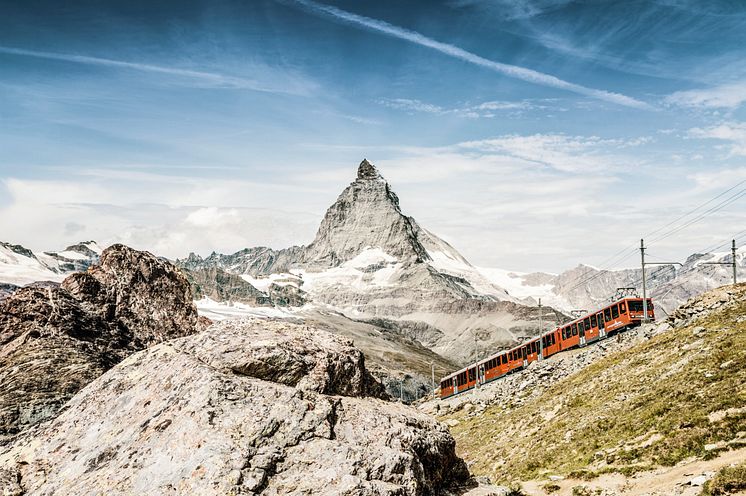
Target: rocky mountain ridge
(20,266)
(587,287)
(55,339)
(370,261)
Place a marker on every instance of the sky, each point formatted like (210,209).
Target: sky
(531,135)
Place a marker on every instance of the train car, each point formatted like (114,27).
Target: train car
(615,317)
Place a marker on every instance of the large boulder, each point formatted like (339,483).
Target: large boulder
(243,408)
(55,340)
(138,291)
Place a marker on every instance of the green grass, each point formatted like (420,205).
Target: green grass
(729,480)
(666,386)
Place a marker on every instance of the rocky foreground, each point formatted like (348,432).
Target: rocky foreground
(55,339)
(246,407)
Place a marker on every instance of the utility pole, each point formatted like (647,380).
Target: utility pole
(644,280)
(644,287)
(432,375)
(733,251)
(541,332)
(732,263)
(476,356)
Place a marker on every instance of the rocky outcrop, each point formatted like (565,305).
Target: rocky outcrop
(6,290)
(220,285)
(244,408)
(705,304)
(55,340)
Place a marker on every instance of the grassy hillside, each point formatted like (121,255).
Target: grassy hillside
(680,394)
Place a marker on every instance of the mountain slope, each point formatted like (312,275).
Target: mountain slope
(20,266)
(678,395)
(586,287)
(369,260)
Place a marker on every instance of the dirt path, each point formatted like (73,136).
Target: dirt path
(669,481)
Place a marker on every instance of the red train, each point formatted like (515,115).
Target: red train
(621,314)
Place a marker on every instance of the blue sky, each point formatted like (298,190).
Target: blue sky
(531,135)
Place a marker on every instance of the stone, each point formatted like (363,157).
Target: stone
(56,339)
(217,413)
(698,480)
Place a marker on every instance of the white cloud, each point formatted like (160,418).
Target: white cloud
(730,95)
(485,109)
(162,214)
(732,132)
(564,153)
(291,83)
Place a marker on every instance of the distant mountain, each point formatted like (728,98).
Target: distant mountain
(369,260)
(20,266)
(587,287)
(371,263)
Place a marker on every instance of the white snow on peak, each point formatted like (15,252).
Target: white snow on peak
(369,256)
(353,273)
(222,310)
(451,263)
(19,269)
(94,247)
(263,283)
(72,255)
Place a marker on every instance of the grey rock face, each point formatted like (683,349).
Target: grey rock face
(55,340)
(139,291)
(65,264)
(220,285)
(290,354)
(217,413)
(255,261)
(366,214)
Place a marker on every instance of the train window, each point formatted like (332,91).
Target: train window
(575,329)
(504,359)
(635,306)
(587,324)
(622,308)
(607,314)
(554,341)
(614,312)
(472,374)
(593,321)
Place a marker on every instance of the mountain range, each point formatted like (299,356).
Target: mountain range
(404,295)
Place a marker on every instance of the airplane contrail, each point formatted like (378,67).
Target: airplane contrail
(514,71)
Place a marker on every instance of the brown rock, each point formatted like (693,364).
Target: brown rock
(55,340)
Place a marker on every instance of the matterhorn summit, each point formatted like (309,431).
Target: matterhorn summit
(372,263)
(366,215)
